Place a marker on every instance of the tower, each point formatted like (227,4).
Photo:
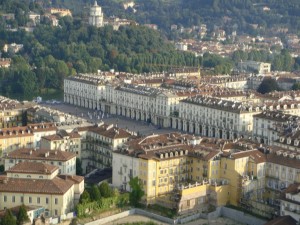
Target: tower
(96,16)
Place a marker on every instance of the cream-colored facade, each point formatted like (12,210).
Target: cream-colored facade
(38,184)
(63,141)
(266,124)
(15,138)
(98,144)
(96,16)
(214,117)
(65,161)
(290,202)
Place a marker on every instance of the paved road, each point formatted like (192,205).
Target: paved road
(94,116)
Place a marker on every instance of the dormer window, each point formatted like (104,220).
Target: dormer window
(288,141)
(281,139)
(296,142)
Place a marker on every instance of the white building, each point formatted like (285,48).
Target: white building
(96,16)
(266,124)
(290,203)
(215,117)
(252,66)
(125,167)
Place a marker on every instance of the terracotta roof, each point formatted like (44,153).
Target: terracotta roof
(284,161)
(110,131)
(75,179)
(41,154)
(36,186)
(293,189)
(40,127)
(256,155)
(33,168)
(60,135)
(15,132)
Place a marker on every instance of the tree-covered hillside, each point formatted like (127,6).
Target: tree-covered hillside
(52,53)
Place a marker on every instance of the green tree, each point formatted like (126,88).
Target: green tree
(79,170)
(95,193)
(137,192)
(84,197)
(8,218)
(296,86)
(105,190)
(22,215)
(268,85)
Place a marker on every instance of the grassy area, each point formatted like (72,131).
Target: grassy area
(163,211)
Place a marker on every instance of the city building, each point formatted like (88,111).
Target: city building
(5,62)
(38,184)
(290,202)
(257,67)
(65,161)
(265,126)
(12,112)
(177,171)
(63,141)
(14,138)
(40,130)
(215,117)
(60,12)
(96,16)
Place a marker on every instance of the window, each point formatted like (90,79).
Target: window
(47,201)
(5,198)
(56,201)
(55,212)
(13,199)
(30,200)
(22,199)
(38,200)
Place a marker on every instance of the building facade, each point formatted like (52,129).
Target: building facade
(65,161)
(38,184)
(96,16)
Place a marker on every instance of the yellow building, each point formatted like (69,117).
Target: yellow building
(177,171)
(15,138)
(38,184)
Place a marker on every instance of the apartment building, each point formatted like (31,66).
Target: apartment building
(40,130)
(63,141)
(290,202)
(176,171)
(266,126)
(12,112)
(38,184)
(213,117)
(99,143)
(65,161)
(14,138)
(85,90)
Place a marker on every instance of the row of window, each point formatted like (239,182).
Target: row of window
(29,200)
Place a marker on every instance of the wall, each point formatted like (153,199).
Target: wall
(220,211)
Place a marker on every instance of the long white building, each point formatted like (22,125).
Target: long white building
(184,110)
